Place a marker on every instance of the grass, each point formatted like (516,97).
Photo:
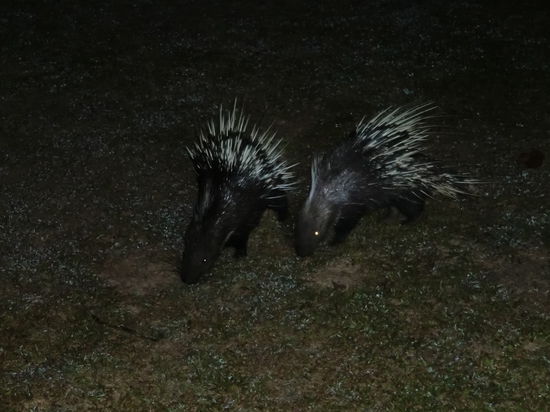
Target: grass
(448,313)
(424,329)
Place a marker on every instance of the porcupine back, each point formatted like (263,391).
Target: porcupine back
(386,154)
(230,152)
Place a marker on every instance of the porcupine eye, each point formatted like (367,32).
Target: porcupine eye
(316,233)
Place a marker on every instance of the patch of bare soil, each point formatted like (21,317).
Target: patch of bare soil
(340,274)
(525,272)
(140,274)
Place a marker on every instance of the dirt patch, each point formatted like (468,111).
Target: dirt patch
(340,274)
(140,274)
(525,272)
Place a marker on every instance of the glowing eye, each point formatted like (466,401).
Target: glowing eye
(316,233)
(204,260)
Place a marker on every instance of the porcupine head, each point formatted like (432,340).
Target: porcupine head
(328,195)
(219,211)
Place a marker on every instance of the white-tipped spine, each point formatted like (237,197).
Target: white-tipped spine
(231,147)
(392,143)
(393,138)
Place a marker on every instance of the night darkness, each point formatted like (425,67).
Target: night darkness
(98,102)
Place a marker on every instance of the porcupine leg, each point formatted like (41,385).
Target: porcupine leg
(410,208)
(241,245)
(387,213)
(239,240)
(345,225)
(280,206)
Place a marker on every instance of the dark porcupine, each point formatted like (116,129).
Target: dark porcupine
(240,173)
(381,165)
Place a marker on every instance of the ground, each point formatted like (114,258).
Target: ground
(97,103)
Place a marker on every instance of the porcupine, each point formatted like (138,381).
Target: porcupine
(240,173)
(381,165)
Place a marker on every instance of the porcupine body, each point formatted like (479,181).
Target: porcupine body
(240,173)
(380,165)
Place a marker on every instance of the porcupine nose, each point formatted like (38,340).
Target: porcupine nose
(303,249)
(190,276)
(191,270)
